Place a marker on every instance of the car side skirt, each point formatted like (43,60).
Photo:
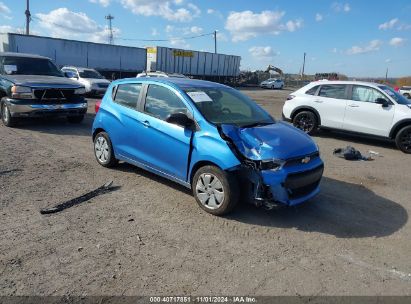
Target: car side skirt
(153,170)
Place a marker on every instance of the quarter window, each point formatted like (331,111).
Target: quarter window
(127,94)
(161,102)
(336,91)
(312,91)
(366,94)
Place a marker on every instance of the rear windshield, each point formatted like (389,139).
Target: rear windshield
(400,99)
(29,66)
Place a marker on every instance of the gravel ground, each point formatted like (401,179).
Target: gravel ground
(149,237)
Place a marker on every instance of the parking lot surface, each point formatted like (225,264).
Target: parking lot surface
(149,237)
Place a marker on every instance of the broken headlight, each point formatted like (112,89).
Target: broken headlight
(272,164)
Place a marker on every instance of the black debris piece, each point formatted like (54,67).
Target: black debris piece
(350,153)
(85,197)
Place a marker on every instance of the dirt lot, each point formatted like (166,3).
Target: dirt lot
(149,237)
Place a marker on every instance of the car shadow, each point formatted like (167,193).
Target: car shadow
(356,138)
(341,209)
(128,168)
(57,125)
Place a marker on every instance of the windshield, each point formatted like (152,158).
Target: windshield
(400,99)
(228,106)
(29,66)
(90,74)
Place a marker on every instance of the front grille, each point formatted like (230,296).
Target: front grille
(302,183)
(54,94)
(103,85)
(299,160)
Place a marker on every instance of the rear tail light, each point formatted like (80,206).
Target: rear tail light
(97,106)
(290,97)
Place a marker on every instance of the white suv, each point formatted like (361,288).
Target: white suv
(406,91)
(360,107)
(93,81)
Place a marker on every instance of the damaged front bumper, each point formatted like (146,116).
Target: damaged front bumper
(281,163)
(290,185)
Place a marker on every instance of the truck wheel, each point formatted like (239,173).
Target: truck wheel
(103,150)
(215,191)
(403,139)
(75,119)
(6,117)
(306,121)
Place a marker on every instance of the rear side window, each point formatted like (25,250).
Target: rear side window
(161,102)
(336,91)
(312,91)
(366,94)
(127,94)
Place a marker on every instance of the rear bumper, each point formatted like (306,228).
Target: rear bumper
(28,108)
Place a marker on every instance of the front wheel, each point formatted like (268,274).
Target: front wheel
(215,191)
(103,150)
(6,117)
(306,121)
(403,139)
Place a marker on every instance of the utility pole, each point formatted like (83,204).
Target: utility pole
(302,73)
(28,17)
(386,75)
(109,17)
(215,41)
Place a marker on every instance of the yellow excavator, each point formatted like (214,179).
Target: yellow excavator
(275,69)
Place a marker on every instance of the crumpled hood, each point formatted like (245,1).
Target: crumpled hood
(42,81)
(275,141)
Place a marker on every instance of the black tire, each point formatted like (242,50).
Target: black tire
(6,117)
(403,139)
(229,186)
(306,121)
(75,119)
(108,159)
(407,95)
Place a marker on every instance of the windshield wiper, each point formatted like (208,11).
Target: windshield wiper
(257,124)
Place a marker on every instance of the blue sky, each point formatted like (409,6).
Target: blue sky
(359,38)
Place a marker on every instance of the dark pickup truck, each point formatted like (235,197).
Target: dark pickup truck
(32,86)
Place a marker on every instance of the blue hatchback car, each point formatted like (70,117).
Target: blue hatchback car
(208,137)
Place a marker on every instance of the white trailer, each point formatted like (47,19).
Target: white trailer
(192,63)
(99,56)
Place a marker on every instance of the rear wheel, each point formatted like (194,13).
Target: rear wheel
(403,139)
(6,117)
(216,191)
(306,121)
(103,150)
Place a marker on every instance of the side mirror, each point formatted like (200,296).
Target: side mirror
(383,102)
(180,119)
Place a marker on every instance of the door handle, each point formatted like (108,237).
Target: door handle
(353,105)
(146,123)
(318,101)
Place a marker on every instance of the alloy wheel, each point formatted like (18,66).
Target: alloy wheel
(405,140)
(305,123)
